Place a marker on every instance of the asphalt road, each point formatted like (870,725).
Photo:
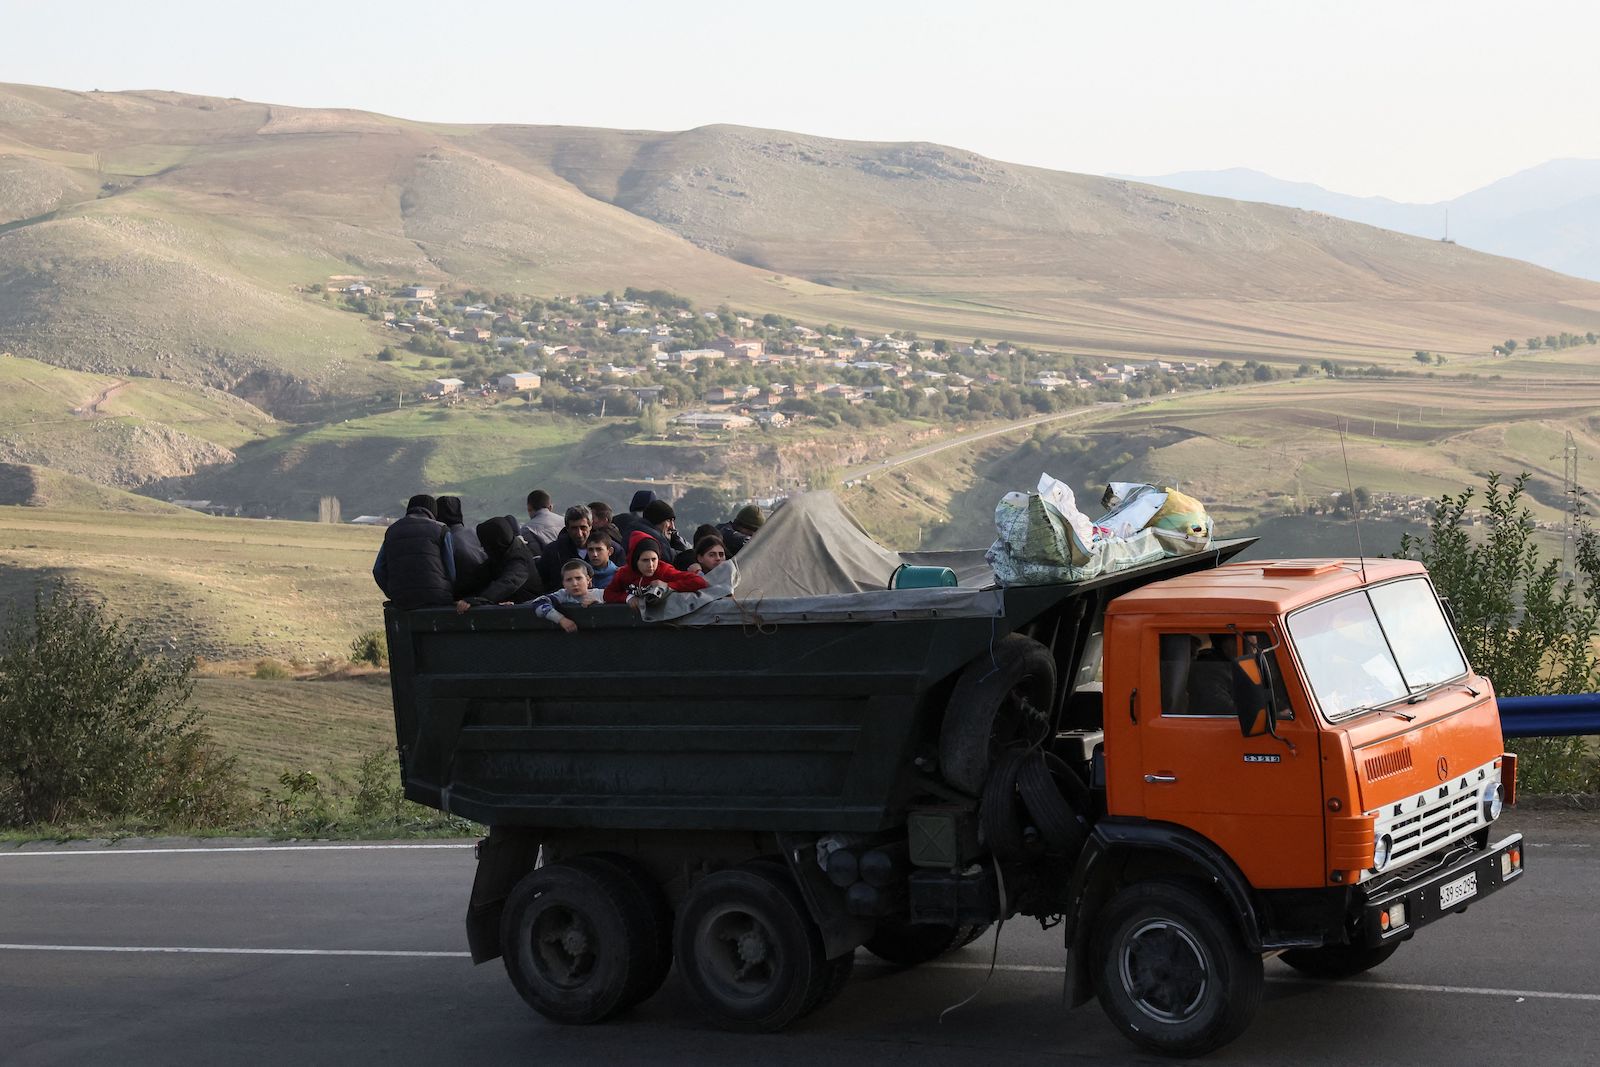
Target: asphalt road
(227,953)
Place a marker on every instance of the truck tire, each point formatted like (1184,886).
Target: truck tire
(650,904)
(569,935)
(908,944)
(1047,786)
(749,951)
(1338,961)
(1171,970)
(1000,814)
(1002,697)
(839,971)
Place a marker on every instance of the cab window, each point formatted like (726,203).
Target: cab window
(1216,674)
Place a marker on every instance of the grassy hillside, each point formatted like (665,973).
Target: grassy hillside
(298,725)
(224,588)
(163,232)
(1257,455)
(119,431)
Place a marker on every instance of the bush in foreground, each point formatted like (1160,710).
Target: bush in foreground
(370,647)
(1526,627)
(95,729)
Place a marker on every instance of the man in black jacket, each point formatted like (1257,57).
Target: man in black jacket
(660,522)
(416,565)
(472,563)
(568,544)
(736,534)
(513,569)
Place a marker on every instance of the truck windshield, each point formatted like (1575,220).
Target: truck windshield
(1375,646)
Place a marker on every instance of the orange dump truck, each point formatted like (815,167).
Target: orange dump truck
(1195,765)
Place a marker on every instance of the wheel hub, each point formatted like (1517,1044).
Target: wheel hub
(1164,971)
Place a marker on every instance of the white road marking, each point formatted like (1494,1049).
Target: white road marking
(194,951)
(938,965)
(1410,987)
(219,850)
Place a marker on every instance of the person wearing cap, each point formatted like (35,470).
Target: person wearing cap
(416,565)
(660,522)
(640,501)
(737,533)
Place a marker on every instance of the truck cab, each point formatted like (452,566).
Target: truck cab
(1308,735)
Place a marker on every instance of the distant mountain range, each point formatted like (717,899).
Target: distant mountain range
(1548,215)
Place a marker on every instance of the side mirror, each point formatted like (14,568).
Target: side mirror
(1257,697)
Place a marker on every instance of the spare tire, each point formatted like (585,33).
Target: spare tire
(1001,699)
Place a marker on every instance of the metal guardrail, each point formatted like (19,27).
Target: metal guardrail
(1550,716)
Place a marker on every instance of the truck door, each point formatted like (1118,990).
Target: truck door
(1257,798)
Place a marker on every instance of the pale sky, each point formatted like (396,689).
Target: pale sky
(1413,100)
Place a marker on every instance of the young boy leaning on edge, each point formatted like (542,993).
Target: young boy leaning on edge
(574,592)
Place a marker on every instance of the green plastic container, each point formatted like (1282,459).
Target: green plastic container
(906,576)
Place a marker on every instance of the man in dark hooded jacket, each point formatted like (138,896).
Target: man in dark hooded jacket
(472,563)
(513,569)
(416,565)
(737,534)
(660,522)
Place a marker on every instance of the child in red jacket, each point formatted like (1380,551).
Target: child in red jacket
(647,575)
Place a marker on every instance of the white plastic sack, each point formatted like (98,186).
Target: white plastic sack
(1059,495)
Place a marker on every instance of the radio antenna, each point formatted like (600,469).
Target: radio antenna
(1354,513)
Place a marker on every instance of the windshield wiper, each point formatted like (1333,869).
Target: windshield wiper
(1364,708)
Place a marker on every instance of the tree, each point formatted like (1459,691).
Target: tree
(652,420)
(1535,343)
(1522,624)
(1510,345)
(1422,357)
(93,727)
(1330,368)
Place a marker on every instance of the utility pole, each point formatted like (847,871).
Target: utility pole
(1569,502)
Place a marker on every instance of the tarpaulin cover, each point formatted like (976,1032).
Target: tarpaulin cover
(812,546)
(812,562)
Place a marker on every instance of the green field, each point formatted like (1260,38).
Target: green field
(223,588)
(313,725)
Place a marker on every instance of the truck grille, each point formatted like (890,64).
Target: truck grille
(1422,824)
(1443,821)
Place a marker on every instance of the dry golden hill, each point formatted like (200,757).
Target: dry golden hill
(162,233)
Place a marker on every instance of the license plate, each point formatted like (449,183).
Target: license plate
(1463,888)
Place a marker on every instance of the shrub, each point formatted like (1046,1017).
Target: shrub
(271,669)
(370,647)
(94,728)
(1523,625)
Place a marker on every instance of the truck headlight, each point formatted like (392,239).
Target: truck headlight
(1494,801)
(1381,850)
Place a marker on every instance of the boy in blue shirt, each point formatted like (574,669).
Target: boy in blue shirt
(598,553)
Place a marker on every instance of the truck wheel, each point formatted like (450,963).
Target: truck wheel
(838,976)
(1002,697)
(748,950)
(568,934)
(644,898)
(908,944)
(1338,961)
(1171,971)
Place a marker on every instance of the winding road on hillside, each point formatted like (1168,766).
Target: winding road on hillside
(189,952)
(882,465)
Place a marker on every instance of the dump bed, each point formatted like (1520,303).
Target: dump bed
(802,724)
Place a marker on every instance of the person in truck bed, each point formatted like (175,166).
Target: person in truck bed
(416,565)
(599,559)
(574,593)
(647,576)
(513,573)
